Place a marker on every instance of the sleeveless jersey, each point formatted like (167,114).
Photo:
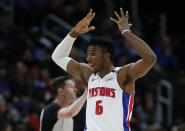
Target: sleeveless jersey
(109,108)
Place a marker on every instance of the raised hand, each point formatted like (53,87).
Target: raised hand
(122,20)
(83,26)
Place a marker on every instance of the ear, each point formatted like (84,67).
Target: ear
(107,56)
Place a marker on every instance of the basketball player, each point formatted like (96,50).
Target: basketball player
(110,89)
(57,116)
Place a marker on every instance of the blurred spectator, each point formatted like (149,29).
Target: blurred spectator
(33,118)
(28,58)
(179,93)
(42,86)
(39,44)
(20,80)
(21,126)
(167,61)
(148,114)
(5,126)
(5,87)
(179,127)
(18,44)
(8,114)
(5,18)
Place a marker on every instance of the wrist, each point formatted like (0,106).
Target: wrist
(126,29)
(73,33)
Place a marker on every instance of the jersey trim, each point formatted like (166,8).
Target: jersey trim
(128,102)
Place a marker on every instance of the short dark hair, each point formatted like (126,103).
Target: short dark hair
(59,82)
(103,43)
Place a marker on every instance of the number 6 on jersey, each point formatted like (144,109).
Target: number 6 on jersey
(99,107)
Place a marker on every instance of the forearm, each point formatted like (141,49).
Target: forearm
(64,48)
(74,108)
(140,46)
(62,51)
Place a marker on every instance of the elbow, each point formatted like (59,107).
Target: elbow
(153,59)
(71,114)
(54,58)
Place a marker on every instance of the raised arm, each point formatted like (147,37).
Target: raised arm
(62,51)
(74,108)
(148,58)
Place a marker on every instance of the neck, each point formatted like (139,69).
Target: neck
(106,70)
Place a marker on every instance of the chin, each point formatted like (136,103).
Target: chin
(74,98)
(94,70)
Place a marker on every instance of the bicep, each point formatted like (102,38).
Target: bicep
(78,70)
(139,69)
(131,72)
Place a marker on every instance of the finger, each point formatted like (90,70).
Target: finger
(127,15)
(117,15)
(91,28)
(114,20)
(91,17)
(122,13)
(130,25)
(89,13)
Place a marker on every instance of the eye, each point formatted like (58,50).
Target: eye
(93,53)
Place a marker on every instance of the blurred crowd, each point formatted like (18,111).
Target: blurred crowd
(26,67)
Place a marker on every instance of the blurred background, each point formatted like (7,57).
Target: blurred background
(31,29)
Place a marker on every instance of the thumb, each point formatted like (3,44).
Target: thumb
(91,28)
(129,25)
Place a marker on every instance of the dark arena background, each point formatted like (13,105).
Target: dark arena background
(31,29)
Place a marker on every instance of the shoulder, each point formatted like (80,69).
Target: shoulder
(48,117)
(123,71)
(51,108)
(86,72)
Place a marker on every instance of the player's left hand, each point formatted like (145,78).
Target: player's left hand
(122,20)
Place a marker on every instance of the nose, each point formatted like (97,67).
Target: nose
(88,59)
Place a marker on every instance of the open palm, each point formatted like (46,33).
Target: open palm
(122,20)
(83,26)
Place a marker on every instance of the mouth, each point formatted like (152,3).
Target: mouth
(91,66)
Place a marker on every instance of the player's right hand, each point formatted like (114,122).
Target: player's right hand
(84,26)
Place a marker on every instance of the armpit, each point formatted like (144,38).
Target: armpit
(127,80)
